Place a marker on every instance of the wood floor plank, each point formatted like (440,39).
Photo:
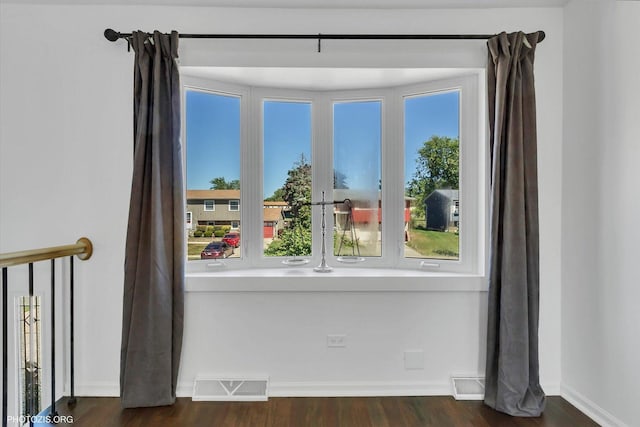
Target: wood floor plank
(376,413)
(437,411)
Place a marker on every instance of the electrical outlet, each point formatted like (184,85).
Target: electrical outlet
(414,359)
(337,340)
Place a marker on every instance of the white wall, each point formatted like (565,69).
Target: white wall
(65,172)
(600,319)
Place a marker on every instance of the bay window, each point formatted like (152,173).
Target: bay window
(401,170)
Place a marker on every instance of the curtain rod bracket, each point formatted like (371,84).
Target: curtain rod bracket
(319,42)
(113,35)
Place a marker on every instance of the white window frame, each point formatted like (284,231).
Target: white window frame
(237,205)
(472,180)
(385,96)
(213,205)
(189,220)
(472,173)
(259,97)
(190,83)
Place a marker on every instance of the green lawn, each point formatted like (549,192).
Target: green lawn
(434,244)
(348,249)
(196,245)
(194,249)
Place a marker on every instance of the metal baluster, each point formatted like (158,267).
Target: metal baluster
(5,285)
(31,323)
(53,412)
(72,398)
(31,333)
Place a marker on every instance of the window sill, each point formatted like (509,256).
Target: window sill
(339,280)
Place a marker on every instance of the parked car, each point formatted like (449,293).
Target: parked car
(215,250)
(232,239)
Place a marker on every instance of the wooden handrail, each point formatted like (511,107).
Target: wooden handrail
(83,248)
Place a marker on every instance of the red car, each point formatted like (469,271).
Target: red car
(232,239)
(216,250)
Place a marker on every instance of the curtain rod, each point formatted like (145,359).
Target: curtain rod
(113,35)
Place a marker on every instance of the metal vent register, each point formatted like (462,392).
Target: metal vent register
(468,388)
(230,388)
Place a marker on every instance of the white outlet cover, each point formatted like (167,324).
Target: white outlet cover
(339,340)
(414,359)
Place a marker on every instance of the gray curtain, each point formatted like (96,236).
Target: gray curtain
(154,259)
(512,373)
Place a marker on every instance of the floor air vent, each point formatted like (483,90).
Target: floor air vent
(468,388)
(217,388)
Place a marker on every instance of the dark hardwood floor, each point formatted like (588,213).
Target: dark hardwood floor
(440,411)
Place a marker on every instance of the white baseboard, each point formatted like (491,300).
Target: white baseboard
(322,389)
(358,388)
(184,389)
(96,389)
(589,408)
(344,389)
(551,389)
(302,389)
(111,389)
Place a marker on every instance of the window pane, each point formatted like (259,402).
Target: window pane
(357,177)
(287,178)
(213,172)
(432,158)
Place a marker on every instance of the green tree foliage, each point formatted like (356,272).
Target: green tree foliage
(437,167)
(220,183)
(295,240)
(297,193)
(277,196)
(339,180)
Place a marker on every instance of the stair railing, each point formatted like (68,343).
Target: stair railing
(83,249)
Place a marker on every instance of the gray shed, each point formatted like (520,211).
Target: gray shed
(441,209)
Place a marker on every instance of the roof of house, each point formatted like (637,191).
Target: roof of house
(271,214)
(275,203)
(449,194)
(212,194)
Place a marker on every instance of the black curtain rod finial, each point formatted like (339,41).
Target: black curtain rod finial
(111,35)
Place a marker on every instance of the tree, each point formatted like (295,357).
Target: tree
(296,191)
(437,167)
(293,242)
(220,183)
(277,196)
(339,180)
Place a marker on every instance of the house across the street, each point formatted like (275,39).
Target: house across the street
(273,218)
(213,207)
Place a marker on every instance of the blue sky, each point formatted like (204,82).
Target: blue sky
(213,137)
(426,116)
(287,135)
(356,143)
